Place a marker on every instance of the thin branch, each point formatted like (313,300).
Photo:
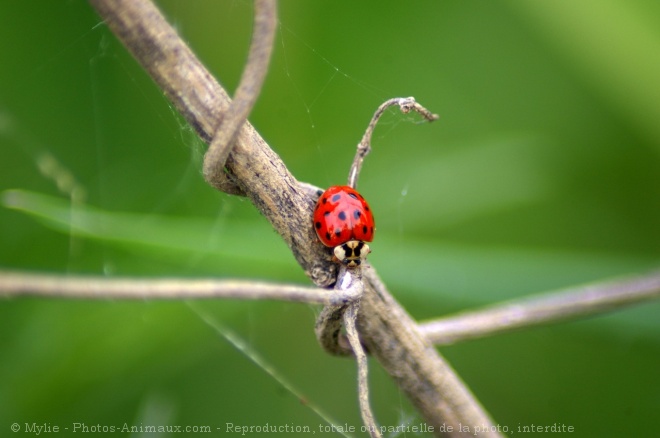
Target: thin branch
(428,381)
(350,316)
(20,284)
(254,73)
(328,329)
(406,104)
(543,309)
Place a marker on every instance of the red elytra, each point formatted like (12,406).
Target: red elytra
(341,215)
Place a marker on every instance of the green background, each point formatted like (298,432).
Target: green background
(543,172)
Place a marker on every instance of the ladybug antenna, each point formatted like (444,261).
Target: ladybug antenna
(406,104)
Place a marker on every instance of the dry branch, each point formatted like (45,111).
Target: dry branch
(256,67)
(386,328)
(21,284)
(406,104)
(537,310)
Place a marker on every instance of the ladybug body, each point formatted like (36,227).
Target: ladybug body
(343,221)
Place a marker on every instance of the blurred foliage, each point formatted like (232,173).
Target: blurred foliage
(543,172)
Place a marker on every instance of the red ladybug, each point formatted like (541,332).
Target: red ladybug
(343,220)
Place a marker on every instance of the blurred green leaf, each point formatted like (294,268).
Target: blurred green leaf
(158,235)
(613,45)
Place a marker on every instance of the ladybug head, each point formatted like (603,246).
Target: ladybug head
(351,253)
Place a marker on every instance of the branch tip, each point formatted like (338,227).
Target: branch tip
(406,105)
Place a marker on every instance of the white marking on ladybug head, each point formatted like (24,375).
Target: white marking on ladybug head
(352,253)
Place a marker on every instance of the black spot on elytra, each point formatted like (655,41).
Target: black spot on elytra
(342,215)
(366,208)
(336,197)
(365,229)
(318,225)
(328,236)
(324,200)
(327,213)
(357,214)
(338,232)
(352,195)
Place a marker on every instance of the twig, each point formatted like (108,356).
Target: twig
(263,177)
(328,331)
(328,323)
(20,284)
(406,104)
(328,328)
(350,316)
(537,310)
(265,24)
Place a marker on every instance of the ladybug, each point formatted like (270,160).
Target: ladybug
(343,221)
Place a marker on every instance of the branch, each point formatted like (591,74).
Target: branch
(17,284)
(529,312)
(406,104)
(265,24)
(328,326)
(350,315)
(429,382)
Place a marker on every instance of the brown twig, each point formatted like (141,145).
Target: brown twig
(328,327)
(537,310)
(21,284)
(406,104)
(350,316)
(430,383)
(248,90)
